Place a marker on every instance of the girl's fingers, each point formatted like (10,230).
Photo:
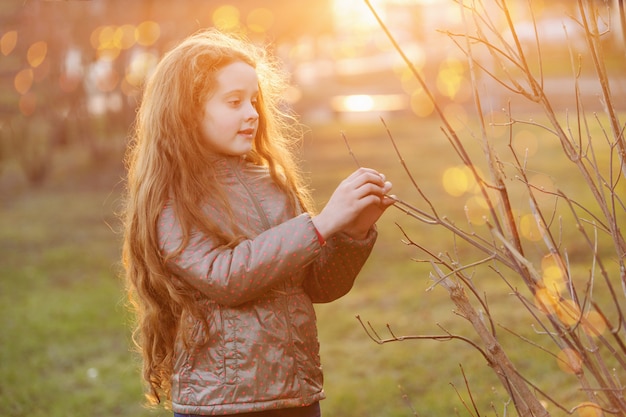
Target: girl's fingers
(367,177)
(363,175)
(377,189)
(370,189)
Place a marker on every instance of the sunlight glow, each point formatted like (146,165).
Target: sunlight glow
(358,103)
(367,102)
(8,42)
(353,11)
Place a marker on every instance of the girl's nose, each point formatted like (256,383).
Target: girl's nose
(252,113)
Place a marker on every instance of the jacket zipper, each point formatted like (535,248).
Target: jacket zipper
(255,201)
(266,224)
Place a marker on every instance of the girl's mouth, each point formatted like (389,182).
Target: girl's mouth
(247,132)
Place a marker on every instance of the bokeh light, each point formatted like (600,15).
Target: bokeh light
(147,33)
(529,229)
(360,102)
(94,38)
(36,53)
(106,38)
(589,409)
(476,210)
(568,312)
(292,95)
(569,361)
(8,42)
(361,20)
(103,40)
(451,77)
(141,65)
(525,143)
(421,104)
(368,103)
(226,17)
(124,36)
(260,20)
(458,180)
(553,273)
(546,300)
(408,81)
(23,80)
(594,324)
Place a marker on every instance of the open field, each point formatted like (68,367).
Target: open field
(64,348)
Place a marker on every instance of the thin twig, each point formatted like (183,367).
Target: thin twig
(345,139)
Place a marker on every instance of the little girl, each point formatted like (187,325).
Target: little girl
(223,256)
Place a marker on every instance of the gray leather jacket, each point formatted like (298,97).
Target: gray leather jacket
(262,351)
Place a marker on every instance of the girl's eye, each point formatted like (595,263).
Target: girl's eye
(235,102)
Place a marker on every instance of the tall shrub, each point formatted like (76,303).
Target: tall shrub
(557,247)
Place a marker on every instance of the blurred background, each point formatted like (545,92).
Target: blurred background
(70,79)
(71,71)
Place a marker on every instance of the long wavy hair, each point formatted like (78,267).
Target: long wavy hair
(168,161)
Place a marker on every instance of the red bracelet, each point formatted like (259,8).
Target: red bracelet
(320,238)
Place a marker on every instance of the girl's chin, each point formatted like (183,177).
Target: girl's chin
(240,152)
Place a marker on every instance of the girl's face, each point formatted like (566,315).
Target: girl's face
(230,119)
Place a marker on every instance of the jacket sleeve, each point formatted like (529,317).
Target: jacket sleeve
(232,276)
(334,271)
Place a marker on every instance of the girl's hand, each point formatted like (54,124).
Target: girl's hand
(369,216)
(356,204)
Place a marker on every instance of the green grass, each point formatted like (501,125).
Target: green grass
(65,348)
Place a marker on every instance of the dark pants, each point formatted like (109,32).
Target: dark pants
(312,410)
